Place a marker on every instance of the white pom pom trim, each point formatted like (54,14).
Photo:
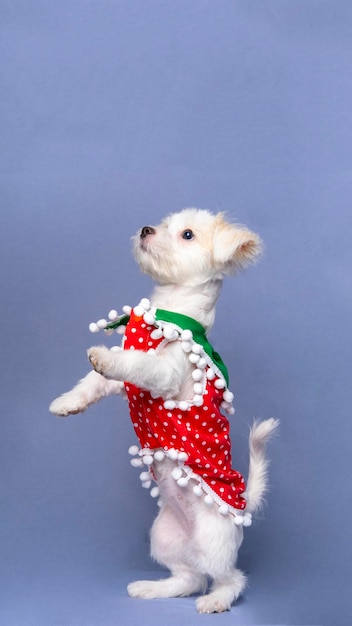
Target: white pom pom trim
(197,375)
(145,303)
(113,315)
(228,396)
(197,490)
(154,492)
(136,462)
(220,383)
(159,455)
(149,318)
(170,333)
(138,311)
(247,519)
(169,405)
(198,400)
(176,473)
(156,334)
(187,335)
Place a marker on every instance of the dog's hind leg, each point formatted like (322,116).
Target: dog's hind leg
(170,541)
(218,540)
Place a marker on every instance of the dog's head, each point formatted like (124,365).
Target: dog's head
(193,247)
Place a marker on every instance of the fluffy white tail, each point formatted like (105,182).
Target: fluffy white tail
(257,483)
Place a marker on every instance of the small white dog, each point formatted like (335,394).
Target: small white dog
(176,387)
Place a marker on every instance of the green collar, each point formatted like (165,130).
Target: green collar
(183,322)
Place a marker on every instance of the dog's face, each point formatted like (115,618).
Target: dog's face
(193,247)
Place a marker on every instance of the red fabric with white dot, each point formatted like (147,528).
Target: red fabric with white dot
(202,432)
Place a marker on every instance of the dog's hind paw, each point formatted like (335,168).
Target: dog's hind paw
(146,589)
(184,584)
(222,596)
(211,604)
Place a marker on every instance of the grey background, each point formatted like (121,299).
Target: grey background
(113,114)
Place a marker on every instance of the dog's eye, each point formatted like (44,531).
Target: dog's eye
(188,234)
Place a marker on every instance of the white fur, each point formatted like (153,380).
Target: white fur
(195,542)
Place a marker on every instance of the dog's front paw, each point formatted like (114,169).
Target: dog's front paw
(68,404)
(102,360)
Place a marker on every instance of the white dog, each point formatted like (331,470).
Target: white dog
(176,385)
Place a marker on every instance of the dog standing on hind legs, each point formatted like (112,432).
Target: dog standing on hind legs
(177,389)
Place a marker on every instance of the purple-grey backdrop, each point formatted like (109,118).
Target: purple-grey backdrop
(113,114)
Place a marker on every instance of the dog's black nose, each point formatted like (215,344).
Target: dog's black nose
(147,230)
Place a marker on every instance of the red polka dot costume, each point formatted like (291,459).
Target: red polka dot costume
(193,433)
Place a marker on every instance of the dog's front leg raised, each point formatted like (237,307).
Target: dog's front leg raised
(89,390)
(161,374)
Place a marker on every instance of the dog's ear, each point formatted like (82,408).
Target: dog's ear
(235,247)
